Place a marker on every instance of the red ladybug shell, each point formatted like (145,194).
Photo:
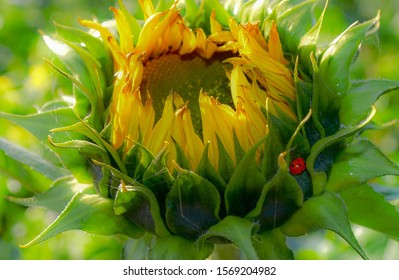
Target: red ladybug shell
(297,166)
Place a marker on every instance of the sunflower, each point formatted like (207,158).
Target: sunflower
(173,74)
(207,126)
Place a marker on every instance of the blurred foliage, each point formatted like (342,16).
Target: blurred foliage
(26,81)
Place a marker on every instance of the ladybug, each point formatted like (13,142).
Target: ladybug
(297,166)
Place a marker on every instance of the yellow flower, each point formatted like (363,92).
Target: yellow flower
(179,86)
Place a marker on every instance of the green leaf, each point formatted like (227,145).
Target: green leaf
(245,186)
(57,196)
(135,249)
(369,208)
(326,211)
(150,247)
(34,161)
(177,248)
(192,205)
(31,180)
(140,206)
(271,245)
(41,124)
(335,64)
(358,163)
(361,96)
(92,214)
(236,230)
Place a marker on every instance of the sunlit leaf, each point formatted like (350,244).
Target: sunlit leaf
(357,164)
(361,96)
(92,214)
(57,196)
(33,160)
(271,245)
(326,211)
(369,208)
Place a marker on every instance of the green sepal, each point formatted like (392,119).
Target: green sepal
(181,158)
(234,229)
(192,14)
(89,151)
(137,160)
(57,196)
(85,129)
(326,211)
(226,165)
(140,206)
(157,176)
(335,65)
(33,160)
(151,247)
(245,186)
(92,214)
(247,12)
(308,42)
(192,205)
(304,92)
(135,201)
(279,199)
(368,208)
(358,163)
(293,22)
(319,178)
(222,16)
(208,172)
(74,64)
(317,116)
(94,46)
(272,245)
(356,104)
(93,67)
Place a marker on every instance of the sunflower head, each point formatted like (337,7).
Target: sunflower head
(206,126)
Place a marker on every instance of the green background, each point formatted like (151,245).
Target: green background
(27,81)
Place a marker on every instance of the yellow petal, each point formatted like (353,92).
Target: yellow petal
(217,122)
(162,129)
(185,136)
(125,34)
(275,48)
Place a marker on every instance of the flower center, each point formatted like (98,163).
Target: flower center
(187,75)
